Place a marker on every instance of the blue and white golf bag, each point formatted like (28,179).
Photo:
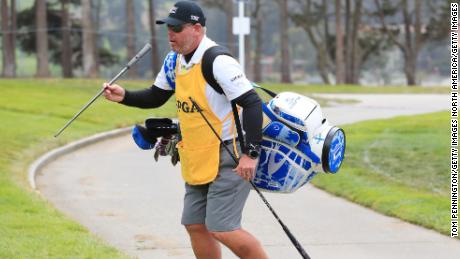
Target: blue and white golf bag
(298,143)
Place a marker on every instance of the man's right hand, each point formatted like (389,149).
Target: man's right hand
(114,93)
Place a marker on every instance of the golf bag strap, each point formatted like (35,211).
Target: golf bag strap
(271,93)
(207,62)
(206,65)
(208,59)
(207,69)
(238,127)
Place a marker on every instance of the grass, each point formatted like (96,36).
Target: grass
(398,167)
(32,110)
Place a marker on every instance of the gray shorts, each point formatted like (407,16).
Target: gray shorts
(218,204)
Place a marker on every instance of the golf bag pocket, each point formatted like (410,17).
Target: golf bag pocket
(279,131)
(282,168)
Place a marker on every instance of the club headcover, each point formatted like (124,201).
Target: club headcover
(143,138)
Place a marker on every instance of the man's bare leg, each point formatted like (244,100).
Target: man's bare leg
(242,243)
(203,243)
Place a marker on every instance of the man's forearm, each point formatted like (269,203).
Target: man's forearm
(151,97)
(252,116)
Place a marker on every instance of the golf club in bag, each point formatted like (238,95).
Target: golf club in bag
(133,61)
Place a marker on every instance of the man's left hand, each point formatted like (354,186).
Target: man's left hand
(246,167)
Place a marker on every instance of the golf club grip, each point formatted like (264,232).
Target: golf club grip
(139,55)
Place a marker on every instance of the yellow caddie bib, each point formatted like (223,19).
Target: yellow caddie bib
(199,148)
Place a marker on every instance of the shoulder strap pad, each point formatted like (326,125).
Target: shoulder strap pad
(206,65)
(170,69)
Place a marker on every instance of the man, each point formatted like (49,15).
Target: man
(215,191)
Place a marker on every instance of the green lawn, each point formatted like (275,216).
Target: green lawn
(32,110)
(399,167)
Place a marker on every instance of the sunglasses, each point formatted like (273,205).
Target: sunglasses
(177,28)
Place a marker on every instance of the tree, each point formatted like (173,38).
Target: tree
(41,39)
(412,44)
(97,13)
(27,41)
(8,25)
(348,43)
(312,18)
(361,42)
(228,10)
(284,40)
(153,38)
(131,35)
(225,6)
(413,33)
(89,43)
(66,48)
(13,35)
(352,47)
(257,16)
(339,50)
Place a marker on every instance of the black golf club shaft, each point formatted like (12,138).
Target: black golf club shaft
(133,61)
(294,241)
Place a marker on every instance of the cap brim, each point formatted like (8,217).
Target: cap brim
(170,21)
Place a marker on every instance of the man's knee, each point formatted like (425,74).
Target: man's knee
(232,237)
(196,229)
(242,243)
(217,235)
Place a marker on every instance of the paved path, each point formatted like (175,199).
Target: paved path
(123,196)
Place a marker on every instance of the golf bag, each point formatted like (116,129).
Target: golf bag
(160,133)
(298,143)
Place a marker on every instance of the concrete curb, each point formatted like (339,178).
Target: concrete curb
(52,155)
